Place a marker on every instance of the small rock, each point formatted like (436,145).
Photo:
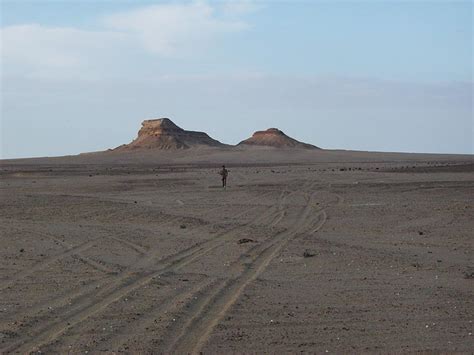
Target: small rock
(469,275)
(245,240)
(22,250)
(183,226)
(308,254)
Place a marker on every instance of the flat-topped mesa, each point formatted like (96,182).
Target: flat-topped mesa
(163,134)
(273,137)
(159,124)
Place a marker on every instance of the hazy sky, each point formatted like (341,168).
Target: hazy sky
(374,75)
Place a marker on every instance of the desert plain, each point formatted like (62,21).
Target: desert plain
(304,251)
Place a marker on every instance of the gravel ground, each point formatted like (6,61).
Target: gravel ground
(336,255)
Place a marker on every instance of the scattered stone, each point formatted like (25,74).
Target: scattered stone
(8,334)
(183,226)
(469,275)
(22,250)
(308,254)
(420,233)
(245,240)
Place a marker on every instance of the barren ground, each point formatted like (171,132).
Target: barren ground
(314,257)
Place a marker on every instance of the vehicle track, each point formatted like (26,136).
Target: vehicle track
(56,302)
(42,264)
(171,304)
(238,266)
(71,251)
(67,298)
(75,252)
(210,311)
(88,305)
(138,248)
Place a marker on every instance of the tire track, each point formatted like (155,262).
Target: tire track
(138,248)
(94,264)
(122,285)
(237,266)
(212,309)
(77,254)
(71,251)
(67,298)
(61,300)
(42,264)
(74,251)
(171,304)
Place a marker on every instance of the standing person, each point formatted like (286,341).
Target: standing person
(224,172)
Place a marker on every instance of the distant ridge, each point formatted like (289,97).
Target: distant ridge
(163,134)
(273,137)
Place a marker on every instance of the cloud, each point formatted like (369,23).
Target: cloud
(166,30)
(35,50)
(171,29)
(239,7)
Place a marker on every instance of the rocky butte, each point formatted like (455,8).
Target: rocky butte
(273,137)
(163,134)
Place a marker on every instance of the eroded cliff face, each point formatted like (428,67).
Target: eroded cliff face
(163,134)
(273,137)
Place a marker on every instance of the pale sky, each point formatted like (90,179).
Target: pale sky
(80,76)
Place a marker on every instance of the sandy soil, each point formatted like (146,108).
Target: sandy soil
(345,253)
